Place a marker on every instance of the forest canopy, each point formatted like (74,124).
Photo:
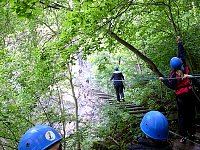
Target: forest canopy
(39,39)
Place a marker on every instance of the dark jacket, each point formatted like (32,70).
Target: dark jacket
(196,83)
(181,51)
(117,76)
(176,83)
(181,54)
(147,144)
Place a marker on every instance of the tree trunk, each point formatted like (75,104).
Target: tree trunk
(78,145)
(151,65)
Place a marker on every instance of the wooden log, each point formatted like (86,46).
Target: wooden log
(139,111)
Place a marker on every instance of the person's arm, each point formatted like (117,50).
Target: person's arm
(170,83)
(181,51)
(122,76)
(112,77)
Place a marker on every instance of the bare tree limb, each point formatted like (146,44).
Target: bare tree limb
(137,52)
(53,5)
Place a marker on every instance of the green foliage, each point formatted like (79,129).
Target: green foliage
(33,62)
(28,73)
(117,128)
(25,8)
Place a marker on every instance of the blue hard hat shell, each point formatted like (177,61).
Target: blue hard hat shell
(155,125)
(39,137)
(116,68)
(176,63)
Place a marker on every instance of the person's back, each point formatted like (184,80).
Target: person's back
(148,144)
(117,76)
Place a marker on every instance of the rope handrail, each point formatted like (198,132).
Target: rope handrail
(150,78)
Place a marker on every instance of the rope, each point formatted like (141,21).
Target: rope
(167,78)
(155,78)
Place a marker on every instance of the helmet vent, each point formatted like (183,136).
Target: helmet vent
(27,144)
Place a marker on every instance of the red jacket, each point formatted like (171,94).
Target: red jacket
(183,85)
(177,83)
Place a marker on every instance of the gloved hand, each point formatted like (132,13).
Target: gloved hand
(187,76)
(178,39)
(161,78)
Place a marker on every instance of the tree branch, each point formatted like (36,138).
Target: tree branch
(171,17)
(49,27)
(137,52)
(53,5)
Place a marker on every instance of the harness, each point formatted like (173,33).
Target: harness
(183,85)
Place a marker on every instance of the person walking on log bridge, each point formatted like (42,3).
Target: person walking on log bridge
(118,78)
(155,127)
(185,97)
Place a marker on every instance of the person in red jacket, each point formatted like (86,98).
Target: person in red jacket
(178,80)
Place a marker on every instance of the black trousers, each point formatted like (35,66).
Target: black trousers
(119,88)
(186,113)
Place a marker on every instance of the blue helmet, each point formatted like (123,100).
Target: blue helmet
(116,68)
(39,137)
(176,63)
(155,125)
